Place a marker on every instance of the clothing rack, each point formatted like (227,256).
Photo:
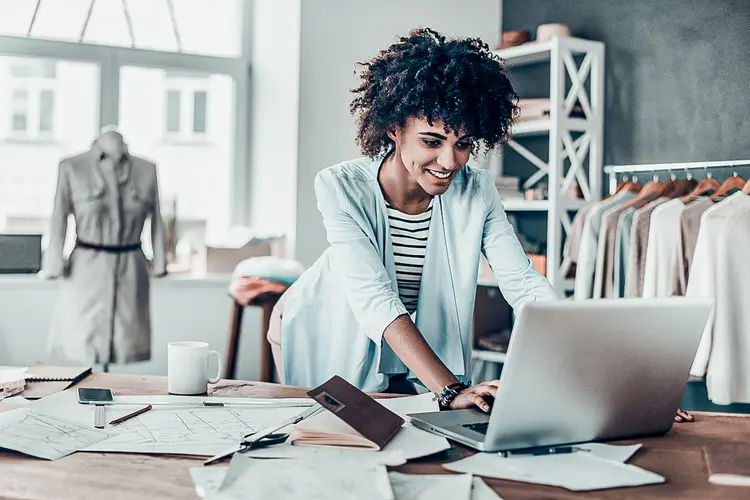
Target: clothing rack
(614,170)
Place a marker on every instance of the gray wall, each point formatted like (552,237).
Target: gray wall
(677,73)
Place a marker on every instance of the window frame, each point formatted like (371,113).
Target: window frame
(110,60)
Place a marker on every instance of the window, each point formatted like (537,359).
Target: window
(188,26)
(35,94)
(183,122)
(175,108)
(186,106)
(32,85)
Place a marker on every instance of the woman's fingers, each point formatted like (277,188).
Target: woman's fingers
(478,401)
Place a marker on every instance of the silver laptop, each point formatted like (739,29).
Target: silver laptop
(580,371)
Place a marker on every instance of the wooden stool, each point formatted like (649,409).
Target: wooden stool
(266,301)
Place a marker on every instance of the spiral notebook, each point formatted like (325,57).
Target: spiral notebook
(43,380)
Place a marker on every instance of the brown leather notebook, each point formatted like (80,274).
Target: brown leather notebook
(728,464)
(353,419)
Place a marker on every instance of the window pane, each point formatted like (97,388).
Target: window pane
(32,68)
(28,170)
(107,25)
(46,110)
(152,25)
(20,110)
(197,174)
(211,28)
(199,111)
(16,16)
(173,111)
(60,20)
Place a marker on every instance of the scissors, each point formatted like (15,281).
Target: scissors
(265,437)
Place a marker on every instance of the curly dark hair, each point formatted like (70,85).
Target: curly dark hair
(458,82)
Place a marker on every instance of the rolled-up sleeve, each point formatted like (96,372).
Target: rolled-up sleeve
(519,282)
(355,261)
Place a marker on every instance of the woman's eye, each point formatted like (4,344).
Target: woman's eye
(463,145)
(431,144)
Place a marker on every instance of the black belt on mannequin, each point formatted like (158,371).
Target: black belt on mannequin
(108,248)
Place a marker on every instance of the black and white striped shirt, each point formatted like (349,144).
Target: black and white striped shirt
(409,238)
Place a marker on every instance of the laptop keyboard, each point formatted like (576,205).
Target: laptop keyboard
(480,427)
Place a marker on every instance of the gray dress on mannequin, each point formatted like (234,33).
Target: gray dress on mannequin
(102,314)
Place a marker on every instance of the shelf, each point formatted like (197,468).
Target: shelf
(527,53)
(521,205)
(484,355)
(542,127)
(534,53)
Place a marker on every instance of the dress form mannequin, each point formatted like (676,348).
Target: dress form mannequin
(112,144)
(103,312)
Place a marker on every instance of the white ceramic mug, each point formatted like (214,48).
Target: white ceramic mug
(187,367)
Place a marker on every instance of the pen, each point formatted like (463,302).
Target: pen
(130,415)
(558,450)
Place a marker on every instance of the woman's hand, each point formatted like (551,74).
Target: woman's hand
(476,396)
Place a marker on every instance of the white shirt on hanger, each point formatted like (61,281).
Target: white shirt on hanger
(663,235)
(720,271)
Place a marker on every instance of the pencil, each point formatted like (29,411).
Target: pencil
(130,415)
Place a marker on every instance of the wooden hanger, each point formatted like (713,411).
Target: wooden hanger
(650,191)
(732,184)
(679,187)
(707,185)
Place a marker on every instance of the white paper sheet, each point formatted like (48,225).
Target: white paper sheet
(190,431)
(11,373)
(431,487)
(578,471)
(411,404)
(249,479)
(480,491)
(44,436)
(207,480)
(15,401)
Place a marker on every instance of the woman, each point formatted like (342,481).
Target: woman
(391,299)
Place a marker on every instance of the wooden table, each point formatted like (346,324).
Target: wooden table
(111,476)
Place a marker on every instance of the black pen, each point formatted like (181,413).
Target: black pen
(557,450)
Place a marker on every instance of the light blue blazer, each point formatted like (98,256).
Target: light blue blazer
(335,314)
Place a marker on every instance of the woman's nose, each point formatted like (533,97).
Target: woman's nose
(447,160)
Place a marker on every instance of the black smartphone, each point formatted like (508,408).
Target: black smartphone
(90,396)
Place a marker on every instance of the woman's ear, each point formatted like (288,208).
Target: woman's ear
(393,134)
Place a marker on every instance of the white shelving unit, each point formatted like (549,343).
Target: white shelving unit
(569,158)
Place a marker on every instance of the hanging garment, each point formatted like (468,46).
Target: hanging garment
(586,266)
(638,248)
(572,245)
(605,255)
(690,221)
(663,235)
(622,249)
(102,314)
(720,271)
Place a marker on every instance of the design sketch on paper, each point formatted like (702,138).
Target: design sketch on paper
(186,426)
(45,436)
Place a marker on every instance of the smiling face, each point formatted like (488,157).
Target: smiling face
(431,155)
